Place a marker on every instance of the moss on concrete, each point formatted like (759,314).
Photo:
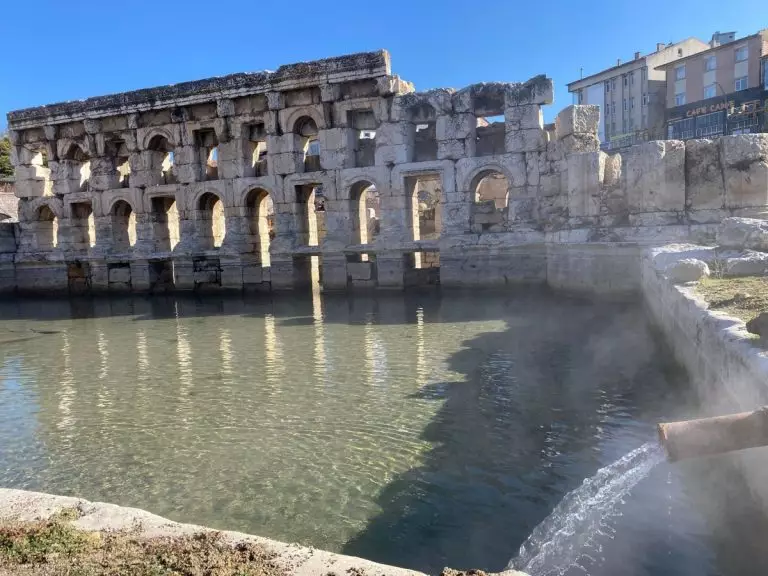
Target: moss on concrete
(56,547)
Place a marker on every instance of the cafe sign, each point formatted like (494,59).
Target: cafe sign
(717,107)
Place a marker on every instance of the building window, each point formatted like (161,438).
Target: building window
(613,83)
(632,102)
(607,86)
(765,74)
(679,52)
(625,80)
(710,91)
(625,104)
(680,72)
(644,74)
(645,99)
(631,78)
(680,99)
(710,63)
(742,53)
(741,83)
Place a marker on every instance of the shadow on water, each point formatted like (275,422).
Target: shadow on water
(541,406)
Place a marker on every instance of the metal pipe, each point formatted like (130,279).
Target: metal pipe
(707,436)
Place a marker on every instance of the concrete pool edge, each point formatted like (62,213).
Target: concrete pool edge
(295,559)
(715,348)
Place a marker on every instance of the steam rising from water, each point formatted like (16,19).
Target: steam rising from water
(565,538)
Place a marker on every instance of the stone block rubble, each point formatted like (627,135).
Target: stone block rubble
(244,181)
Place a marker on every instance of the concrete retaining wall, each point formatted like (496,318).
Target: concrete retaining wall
(727,369)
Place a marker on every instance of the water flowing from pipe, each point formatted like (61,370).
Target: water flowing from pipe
(562,540)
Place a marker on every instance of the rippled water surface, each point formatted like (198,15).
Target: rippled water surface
(418,430)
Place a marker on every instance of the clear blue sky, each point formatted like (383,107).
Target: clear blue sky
(65,50)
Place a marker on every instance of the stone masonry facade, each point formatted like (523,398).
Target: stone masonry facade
(338,170)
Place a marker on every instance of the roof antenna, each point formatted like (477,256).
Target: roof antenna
(581,72)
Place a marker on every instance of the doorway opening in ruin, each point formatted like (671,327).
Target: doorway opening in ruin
(365,213)
(82,226)
(310,204)
(213,225)
(118,151)
(490,206)
(208,150)
(362,123)
(123,226)
(47,228)
(260,211)
(165,223)
(423,125)
(488,105)
(80,164)
(425,214)
(256,150)
(306,129)
(161,159)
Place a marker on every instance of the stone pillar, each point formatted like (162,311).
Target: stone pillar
(140,275)
(390,267)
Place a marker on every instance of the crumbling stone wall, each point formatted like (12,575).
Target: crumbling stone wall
(240,181)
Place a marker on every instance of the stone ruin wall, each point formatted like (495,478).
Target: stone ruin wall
(246,181)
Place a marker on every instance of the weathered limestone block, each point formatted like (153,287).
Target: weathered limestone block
(225,107)
(333,139)
(103,176)
(585,176)
(654,176)
(577,119)
(230,163)
(120,274)
(287,163)
(703,175)
(533,140)
(746,233)
(687,270)
(186,173)
(526,117)
(33,188)
(538,90)
(451,150)
(747,263)
(389,155)
(393,134)
(456,127)
(745,167)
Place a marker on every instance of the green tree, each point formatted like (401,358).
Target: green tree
(6,168)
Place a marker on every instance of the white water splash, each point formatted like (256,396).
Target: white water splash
(561,540)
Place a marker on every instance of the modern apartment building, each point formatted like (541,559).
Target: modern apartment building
(632,95)
(722,90)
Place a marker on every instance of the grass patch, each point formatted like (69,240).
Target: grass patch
(743,298)
(55,547)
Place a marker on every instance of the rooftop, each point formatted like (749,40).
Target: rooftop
(290,76)
(630,62)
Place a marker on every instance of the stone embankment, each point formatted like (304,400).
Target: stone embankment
(339,171)
(295,560)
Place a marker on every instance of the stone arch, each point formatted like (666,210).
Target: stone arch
(489,190)
(307,133)
(364,210)
(469,182)
(260,212)
(297,114)
(46,227)
(77,164)
(210,212)
(152,134)
(159,150)
(123,220)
